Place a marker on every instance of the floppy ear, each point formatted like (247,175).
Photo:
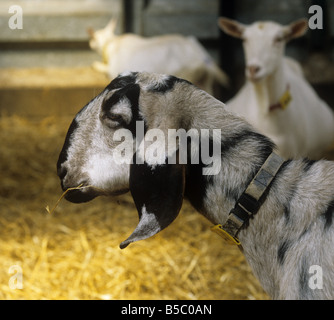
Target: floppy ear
(296,29)
(158,192)
(231,27)
(157,176)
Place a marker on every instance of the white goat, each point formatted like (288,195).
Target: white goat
(177,55)
(276,98)
(281,212)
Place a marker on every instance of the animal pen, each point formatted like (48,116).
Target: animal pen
(73,252)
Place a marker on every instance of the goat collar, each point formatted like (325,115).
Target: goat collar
(250,201)
(283,102)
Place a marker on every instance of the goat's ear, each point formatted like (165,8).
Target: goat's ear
(111,26)
(231,27)
(90,32)
(296,29)
(158,192)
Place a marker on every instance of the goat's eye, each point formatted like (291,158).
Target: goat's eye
(115,117)
(278,39)
(113,120)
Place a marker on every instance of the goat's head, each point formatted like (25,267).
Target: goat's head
(100,38)
(96,155)
(263,42)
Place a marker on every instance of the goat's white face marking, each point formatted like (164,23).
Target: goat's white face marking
(105,173)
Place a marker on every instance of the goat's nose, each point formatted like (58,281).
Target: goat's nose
(253,70)
(62,171)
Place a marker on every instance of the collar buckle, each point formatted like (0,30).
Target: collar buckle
(283,102)
(285,99)
(225,235)
(250,201)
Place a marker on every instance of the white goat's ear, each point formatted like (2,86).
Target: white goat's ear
(158,195)
(90,32)
(111,26)
(231,27)
(296,29)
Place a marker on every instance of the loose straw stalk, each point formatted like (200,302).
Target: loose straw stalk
(63,195)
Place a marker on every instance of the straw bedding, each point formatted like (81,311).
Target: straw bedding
(74,253)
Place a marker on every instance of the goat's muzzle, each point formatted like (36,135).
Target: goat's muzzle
(252,72)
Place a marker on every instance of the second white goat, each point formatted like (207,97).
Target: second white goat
(175,54)
(276,98)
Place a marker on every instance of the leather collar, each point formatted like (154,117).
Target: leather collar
(283,102)
(250,201)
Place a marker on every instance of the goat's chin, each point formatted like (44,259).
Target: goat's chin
(256,79)
(117,192)
(79,196)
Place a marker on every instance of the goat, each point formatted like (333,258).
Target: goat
(276,98)
(175,54)
(281,211)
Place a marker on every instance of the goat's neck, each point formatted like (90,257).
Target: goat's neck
(270,89)
(243,153)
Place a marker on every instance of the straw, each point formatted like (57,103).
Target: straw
(62,196)
(73,252)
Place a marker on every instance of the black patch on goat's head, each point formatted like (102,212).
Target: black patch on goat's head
(64,152)
(122,81)
(130,93)
(166,85)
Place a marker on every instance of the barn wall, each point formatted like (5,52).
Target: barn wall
(55,35)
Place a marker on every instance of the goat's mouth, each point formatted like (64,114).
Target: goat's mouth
(80,195)
(88,193)
(255,78)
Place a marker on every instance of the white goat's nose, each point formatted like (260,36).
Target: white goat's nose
(253,69)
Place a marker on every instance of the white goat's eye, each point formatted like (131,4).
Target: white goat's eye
(278,39)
